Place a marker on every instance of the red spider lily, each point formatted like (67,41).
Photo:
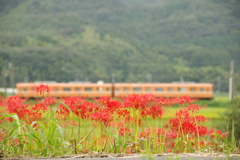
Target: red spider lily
(124,131)
(49,101)
(145,134)
(185,123)
(160,132)
(29,116)
(120,124)
(15,102)
(156,112)
(111,105)
(117,125)
(186,99)
(40,107)
(78,106)
(71,123)
(219,134)
(183,126)
(3,134)
(13,141)
(2,119)
(137,101)
(102,117)
(200,118)
(123,113)
(41,89)
(162,101)
(132,120)
(16,142)
(173,101)
(91,107)
(182,113)
(171,134)
(62,112)
(103,100)
(82,110)
(175,122)
(193,108)
(15,105)
(201,131)
(33,116)
(85,109)
(73,101)
(202,143)
(188,127)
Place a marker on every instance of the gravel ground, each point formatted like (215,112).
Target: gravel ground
(137,157)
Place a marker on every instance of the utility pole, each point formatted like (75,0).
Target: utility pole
(149,78)
(5,74)
(181,79)
(11,76)
(231,80)
(113,87)
(219,83)
(10,69)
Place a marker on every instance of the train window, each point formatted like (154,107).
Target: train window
(108,88)
(170,89)
(148,89)
(88,89)
(201,89)
(25,89)
(182,89)
(66,89)
(137,89)
(126,89)
(117,89)
(77,89)
(159,89)
(192,89)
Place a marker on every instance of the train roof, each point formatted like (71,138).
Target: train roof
(118,84)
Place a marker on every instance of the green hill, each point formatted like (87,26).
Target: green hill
(134,39)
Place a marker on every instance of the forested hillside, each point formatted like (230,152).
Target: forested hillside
(137,40)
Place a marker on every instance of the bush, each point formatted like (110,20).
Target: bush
(2,94)
(232,116)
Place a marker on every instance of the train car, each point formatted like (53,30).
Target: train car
(92,90)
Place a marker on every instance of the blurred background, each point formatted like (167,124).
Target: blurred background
(136,40)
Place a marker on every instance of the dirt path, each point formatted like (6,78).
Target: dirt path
(137,157)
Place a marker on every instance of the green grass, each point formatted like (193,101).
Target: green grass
(210,113)
(212,109)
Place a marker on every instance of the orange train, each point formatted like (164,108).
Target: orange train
(91,90)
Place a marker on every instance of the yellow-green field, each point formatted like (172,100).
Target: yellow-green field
(210,113)
(212,110)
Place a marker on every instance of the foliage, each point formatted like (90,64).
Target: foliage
(231,117)
(88,40)
(2,94)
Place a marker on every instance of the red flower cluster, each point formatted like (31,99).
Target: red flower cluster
(26,113)
(127,117)
(124,131)
(41,89)
(186,122)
